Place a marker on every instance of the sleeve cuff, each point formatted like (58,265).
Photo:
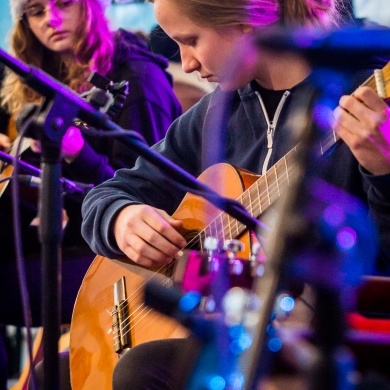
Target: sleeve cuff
(380,183)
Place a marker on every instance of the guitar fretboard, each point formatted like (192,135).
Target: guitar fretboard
(256,199)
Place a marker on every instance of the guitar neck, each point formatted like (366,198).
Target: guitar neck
(256,199)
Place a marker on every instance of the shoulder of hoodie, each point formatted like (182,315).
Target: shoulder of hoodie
(4,115)
(130,47)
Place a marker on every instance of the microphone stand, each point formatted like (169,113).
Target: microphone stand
(60,107)
(50,230)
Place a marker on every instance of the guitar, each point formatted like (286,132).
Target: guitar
(6,170)
(92,339)
(96,337)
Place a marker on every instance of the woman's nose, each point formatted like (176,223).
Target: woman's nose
(188,61)
(53,16)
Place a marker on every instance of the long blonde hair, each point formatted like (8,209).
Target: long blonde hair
(229,13)
(93,50)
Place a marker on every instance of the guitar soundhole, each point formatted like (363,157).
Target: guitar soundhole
(192,237)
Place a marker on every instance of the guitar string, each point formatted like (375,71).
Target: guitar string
(221,226)
(272,192)
(135,296)
(133,318)
(140,310)
(133,321)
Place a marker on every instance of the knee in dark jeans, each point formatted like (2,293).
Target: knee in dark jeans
(156,365)
(64,373)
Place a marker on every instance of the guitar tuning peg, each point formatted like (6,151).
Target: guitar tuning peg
(236,267)
(208,304)
(257,264)
(233,246)
(255,249)
(211,243)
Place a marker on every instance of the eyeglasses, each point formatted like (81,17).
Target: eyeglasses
(38,11)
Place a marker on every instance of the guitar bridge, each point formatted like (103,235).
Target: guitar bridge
(121,317)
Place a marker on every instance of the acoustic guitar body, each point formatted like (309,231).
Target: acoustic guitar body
(92,354)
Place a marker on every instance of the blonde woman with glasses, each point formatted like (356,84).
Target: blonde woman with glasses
(69,39)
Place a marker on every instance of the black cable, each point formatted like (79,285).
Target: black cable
(20,262)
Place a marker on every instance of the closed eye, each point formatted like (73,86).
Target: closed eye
(188,41)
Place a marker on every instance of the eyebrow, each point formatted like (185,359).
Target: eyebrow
(33,4)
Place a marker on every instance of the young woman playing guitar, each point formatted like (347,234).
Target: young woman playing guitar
(130,216)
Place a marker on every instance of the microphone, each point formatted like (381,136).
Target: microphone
(68,187)
(345,47)
(106,96)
